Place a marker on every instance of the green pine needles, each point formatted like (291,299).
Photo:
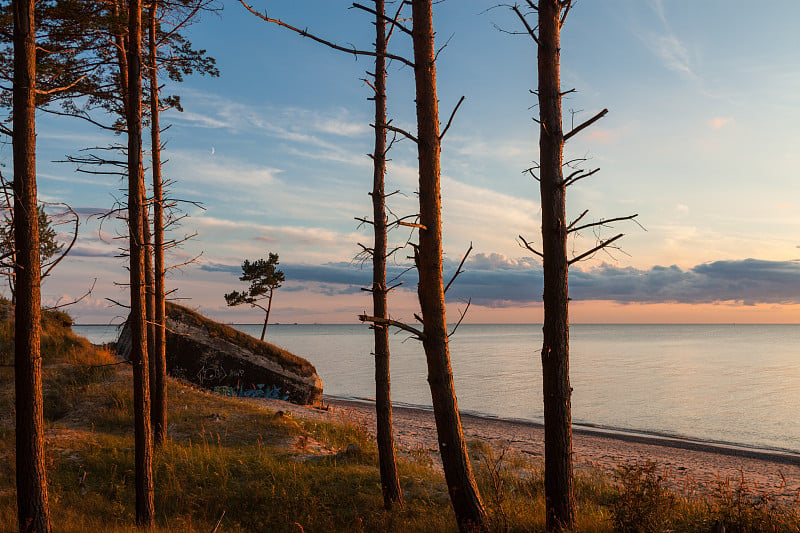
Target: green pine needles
(264,278)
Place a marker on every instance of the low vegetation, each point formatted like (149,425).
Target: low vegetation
(234,466)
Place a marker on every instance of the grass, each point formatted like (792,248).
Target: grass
(232,463)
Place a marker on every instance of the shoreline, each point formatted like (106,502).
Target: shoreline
(653,438)
(689,466)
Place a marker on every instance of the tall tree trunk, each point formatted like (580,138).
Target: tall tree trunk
(390,481)
(141,389)
(555,349)
(149,296)
(158,355)
(464,495)
(32,503)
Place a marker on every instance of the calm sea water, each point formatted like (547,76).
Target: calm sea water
(734,384)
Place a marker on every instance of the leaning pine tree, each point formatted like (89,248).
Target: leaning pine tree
(461,485)
(264,278)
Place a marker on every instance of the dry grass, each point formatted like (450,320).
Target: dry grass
(232,462)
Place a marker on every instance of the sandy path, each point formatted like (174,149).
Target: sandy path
(688,464)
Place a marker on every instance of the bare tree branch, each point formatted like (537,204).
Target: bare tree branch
(460,319)
(450,120)
(571,224)
(531,31)
(527,245)
(577,176)
(180,265)
(586,124)
(393,21)
(84,117)
(63,254)
(566,5)
(400,131)
(601,222)
(73,302)
(118,303)
(390,322)
(327,43)
(458,270)
(530,171)
(597,248)
(410,225)
(61,89)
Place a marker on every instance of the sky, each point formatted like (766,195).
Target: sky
(701,141)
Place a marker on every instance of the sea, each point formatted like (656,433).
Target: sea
(722,384)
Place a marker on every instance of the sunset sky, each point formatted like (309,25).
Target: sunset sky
(701,140)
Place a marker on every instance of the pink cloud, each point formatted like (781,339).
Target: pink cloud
(720,122)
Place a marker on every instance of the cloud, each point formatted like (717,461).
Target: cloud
(494,280)
(220,171)
(602,136)
(213,111)
(720,122)
(665,45)
(671,51)
(88,250)
(91,211)
(748,281)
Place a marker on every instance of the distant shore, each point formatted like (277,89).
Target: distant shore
(689,465)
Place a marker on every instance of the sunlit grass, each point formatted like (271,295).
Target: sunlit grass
(231,462)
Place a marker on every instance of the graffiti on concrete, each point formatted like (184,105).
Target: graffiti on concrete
(257,391)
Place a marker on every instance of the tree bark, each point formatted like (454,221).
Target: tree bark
(464,495)
(559,504)
(149,297)
(158,357)
(141,390)
(390,481)
(33,511)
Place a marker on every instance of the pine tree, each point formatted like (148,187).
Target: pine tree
(264,278)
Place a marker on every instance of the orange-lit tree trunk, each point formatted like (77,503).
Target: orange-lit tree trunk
(555,349)
(158,358)
(149,298)
(141,389)
(32,502)
(464,495)
(390,481)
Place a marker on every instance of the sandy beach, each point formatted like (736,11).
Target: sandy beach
(689,465)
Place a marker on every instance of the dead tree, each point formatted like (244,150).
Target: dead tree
(33,511)
(158,355)
(464,495)
(390,481)
(145,511)
(461,484)
(555,349)
(557,392)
